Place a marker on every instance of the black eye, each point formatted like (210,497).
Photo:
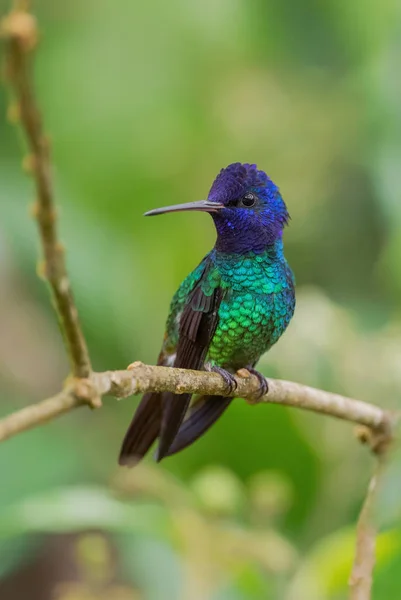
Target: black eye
(248,200)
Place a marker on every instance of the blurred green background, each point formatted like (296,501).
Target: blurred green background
(144,103)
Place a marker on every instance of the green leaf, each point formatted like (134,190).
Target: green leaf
(81,508)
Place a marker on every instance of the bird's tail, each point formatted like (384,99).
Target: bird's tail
(146,425)
(159,415)
(143,430)
(204,413)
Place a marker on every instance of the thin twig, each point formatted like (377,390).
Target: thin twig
(142,378)
(361,578)
(20,32)
(38,414)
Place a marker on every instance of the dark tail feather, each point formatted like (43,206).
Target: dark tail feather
(174,408)
(143,431)
(201,419)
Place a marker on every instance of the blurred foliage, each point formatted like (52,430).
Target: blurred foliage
(144,103)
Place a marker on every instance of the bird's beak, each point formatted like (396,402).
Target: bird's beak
(202,205)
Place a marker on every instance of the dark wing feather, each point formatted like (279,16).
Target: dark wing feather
(145,425)
(206,412)
(161,414)
(143,430)
(197,326)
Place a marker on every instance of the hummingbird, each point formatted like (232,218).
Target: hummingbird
(228,312)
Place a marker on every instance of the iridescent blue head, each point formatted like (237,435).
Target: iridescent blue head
(247,209)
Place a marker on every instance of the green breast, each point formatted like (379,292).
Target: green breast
(256,310)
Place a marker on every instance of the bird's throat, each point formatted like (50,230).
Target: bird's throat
(235,237)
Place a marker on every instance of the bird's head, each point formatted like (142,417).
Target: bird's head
(247,208)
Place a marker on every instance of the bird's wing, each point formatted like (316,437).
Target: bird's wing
(147,422)
(197,325)
(177,306)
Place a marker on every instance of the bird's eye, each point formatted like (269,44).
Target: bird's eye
(248,200)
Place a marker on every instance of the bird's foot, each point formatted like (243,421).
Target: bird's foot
(228,377)
(263,384)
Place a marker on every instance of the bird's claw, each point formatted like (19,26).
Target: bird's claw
(228,377)
(264,386)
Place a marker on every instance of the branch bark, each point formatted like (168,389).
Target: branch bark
(140,378)
(20,32)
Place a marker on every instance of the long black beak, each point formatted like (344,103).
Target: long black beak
(202,205)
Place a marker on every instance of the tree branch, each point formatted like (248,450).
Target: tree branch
(361,578)
(140,378)
(20,32)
